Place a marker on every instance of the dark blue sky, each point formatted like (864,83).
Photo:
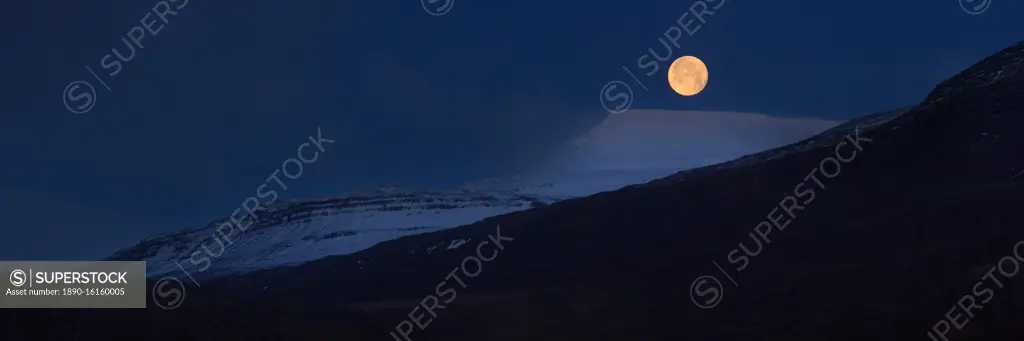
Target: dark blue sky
(226,90)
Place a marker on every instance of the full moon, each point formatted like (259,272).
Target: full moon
(688,75)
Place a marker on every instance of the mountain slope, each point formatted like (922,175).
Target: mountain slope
(883,251)
(290,233)
(622,150)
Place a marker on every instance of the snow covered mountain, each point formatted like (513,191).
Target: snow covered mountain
(625,149)
(298,231)
(939,185)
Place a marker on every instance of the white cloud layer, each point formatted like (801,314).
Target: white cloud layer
(641,145)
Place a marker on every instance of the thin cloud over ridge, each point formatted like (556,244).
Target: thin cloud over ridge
(641,145)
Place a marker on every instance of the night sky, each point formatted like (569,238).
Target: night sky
(226,90)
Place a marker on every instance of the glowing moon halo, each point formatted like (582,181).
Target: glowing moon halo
(688,75)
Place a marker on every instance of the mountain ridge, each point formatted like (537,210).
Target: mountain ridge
(653,143)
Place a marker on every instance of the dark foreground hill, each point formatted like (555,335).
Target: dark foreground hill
(889,227)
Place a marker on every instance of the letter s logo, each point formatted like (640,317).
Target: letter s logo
(169,298)
(700,289)
(607,99)
(18,277)
(72,95)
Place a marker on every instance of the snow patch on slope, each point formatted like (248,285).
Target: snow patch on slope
(304,230)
